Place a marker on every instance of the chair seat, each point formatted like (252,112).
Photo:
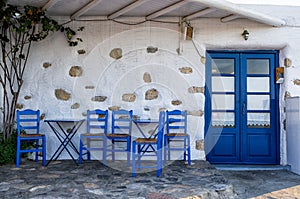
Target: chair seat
(146,140)
(177,134)
(31,135)
(93,134)
(117,135)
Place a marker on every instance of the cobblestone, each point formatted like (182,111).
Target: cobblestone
(63,179)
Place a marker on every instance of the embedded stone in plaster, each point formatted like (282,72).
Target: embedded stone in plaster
(162,109)
(128,97)
(89,87)
(151,94)
(287,62)
(42,116)
(19,106)
(84,114)
(151,49)
(176,102)
(198,113)
(136,117)
(287,94)
(297,82)
(147,78)
(81,51)
(203,59)
(46,65)
(75,106)
(196,89)
(27,97)
(124,117)
(200,145)
(101,115)
(114,108)
(99,98)
(186,70)
(62,94)
(75,71)
(116,53)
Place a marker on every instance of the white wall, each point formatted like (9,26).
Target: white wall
(112,78)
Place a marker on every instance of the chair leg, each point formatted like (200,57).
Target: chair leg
(37,150)
(113,150)
(168,149)
(165,150)
(18,155)
(88,153)
(189,151)
(139,156)
(44,150)
(80,151)
(104,150)
(128,151)
(133,172)
(159,162)
(185,153)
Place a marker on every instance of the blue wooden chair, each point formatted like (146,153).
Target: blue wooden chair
(176,131)
(96,132)
(120,132)
(149,147)
(29,121)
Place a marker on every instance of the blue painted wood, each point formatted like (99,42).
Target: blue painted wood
(29,121)
(241,144)
(142,146)
(97,121)
(221,144)
(176,131)
(259,145)
(121,128)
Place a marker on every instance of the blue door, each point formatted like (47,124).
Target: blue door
(241,107)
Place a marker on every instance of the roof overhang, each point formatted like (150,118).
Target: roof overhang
(151,9)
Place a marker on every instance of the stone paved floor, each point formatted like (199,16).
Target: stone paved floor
(264,184)
(63,179)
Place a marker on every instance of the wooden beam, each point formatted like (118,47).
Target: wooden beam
(85,8)
(242,11)
(229,18)
(49,4)
(126,9)
(166,10)
(199,13)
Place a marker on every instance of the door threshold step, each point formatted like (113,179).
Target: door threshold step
(243,167)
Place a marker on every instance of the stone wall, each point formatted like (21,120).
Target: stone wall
(145,67)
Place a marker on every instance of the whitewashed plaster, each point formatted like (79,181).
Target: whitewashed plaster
(112,78)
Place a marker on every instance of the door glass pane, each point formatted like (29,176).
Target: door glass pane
(258,120)
(258,84)
(222,102)
(223,120)
(222,84)
(222,66)
(258,102)
(257,66)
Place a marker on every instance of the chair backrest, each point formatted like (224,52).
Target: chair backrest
(160,129)
(28,120)
(97,121)
(176,121)
(121,121)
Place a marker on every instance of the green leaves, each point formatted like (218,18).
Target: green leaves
(33,22)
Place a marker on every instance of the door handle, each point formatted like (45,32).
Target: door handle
(244,108)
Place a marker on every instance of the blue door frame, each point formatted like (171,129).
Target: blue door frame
(237,141)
